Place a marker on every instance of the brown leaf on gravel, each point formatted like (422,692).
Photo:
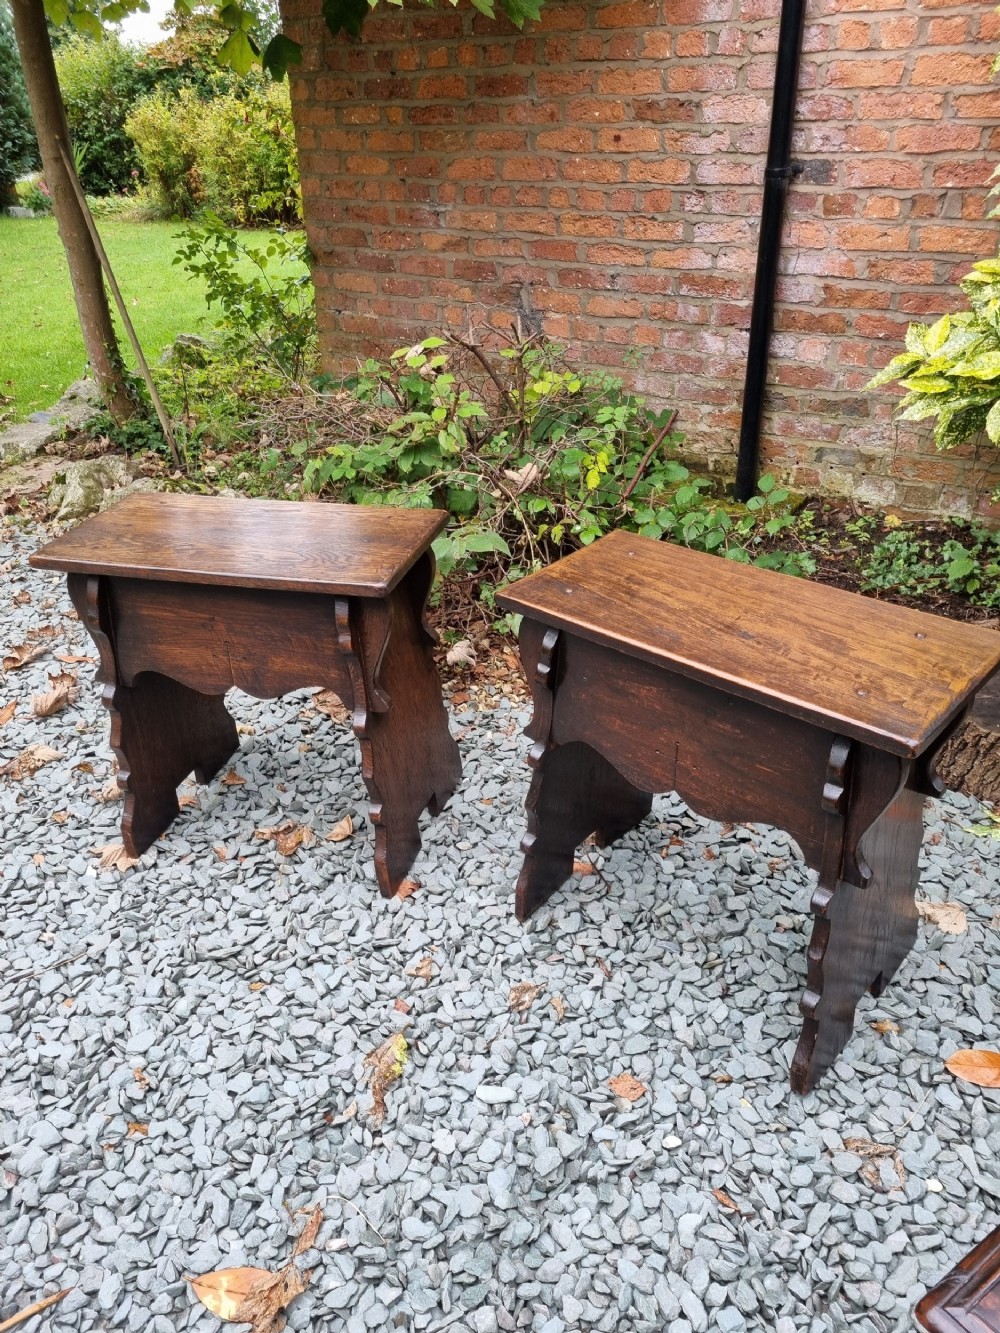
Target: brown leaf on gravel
(60,816)
(75,657)
(724,1199)
(408,888)
(225,1291)
(584,868)
(232,779)
(341,830)
(288,837)
(113,856)
(401,1006)
(386,1065)
(54,700)
(866,1148)
(186,801)
(948,917)
(84,766)
(29,761)
(7,712)
(559,1005)
(424,969)
(979,1067)
(522,996)
(628,1087)
(138,1127)
(307,1236)
(21,598)
(329,703)
(23,653)
(264,1305)
(884,1026)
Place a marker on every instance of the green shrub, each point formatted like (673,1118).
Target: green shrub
(951,370)
(101,82)
(906,561)
(531,457)
(262,291)
(33,193)
(234,155)
(18,150)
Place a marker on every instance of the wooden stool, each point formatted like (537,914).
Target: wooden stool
(186,596)
(756,697)
(968,1299)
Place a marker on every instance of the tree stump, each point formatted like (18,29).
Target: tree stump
(970,761)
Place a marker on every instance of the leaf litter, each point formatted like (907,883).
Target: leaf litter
(522,996)
(260,1296)
(948,917)
(386,1064)
(979,1067)
(29,761)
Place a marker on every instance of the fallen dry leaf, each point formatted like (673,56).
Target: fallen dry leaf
(54,700)
(424,969)
(723,1198)
(522,996)
(559,1005)
(949,917)
(257,985)
(225,1291)
(185,802)
(386,1064)
(288,837)
(408,888)
(308,1234)
(341,830)
(884,1026)
(138,1127)
(21,598)
(39,858)
(232,779)
(584,868)
(111,791)
(83,767)
(74,658)
(264,1305)
(329,703)
(141,1077)
(221,853)
(342,1118)
(60,816)
(7,712)
(979,1067)
(113,856)
(401,1006)
(628,1087)
(23,653)
(30,761)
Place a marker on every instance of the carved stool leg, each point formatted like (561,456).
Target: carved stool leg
(574,792)
(409,758)
(860,936)
(160,731)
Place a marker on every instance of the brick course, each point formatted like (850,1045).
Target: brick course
(600,173)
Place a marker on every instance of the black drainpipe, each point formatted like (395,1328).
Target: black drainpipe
(777,174)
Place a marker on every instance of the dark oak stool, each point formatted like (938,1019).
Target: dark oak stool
(186,596)
(968,1299)
(755,696)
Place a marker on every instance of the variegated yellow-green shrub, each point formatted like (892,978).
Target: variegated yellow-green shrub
(951,369)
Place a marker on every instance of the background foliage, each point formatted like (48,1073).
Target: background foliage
(18,150)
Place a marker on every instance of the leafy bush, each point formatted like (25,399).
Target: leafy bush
(905,561)
(531,457)
(18,150)
(951,370)
(234,155)
(262,289)
(101,82)
(33,193)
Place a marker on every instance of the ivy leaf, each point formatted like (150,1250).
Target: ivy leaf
(239,52)
(345,15)
(279,53)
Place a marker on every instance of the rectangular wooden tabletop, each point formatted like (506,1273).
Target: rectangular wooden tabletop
(282,544)
(866,669)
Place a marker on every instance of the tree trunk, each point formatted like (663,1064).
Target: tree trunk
(84,265)
(970,761)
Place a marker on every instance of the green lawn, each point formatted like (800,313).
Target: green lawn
(41,350)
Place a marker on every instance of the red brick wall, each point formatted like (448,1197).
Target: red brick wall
(602,171)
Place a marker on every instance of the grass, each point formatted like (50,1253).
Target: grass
(41,348)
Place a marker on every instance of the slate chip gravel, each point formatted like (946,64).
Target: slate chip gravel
(181,1051)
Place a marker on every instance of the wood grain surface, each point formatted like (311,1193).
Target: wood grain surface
(968,1299)
(869,670)
(280,544)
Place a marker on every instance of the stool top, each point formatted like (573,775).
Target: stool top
(293,546)
(870,670)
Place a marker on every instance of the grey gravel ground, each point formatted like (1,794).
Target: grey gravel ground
(508,1187)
